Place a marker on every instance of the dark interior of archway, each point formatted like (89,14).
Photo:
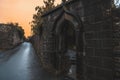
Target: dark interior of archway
(69,46)
(68,32)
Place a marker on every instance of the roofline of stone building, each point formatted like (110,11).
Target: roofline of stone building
(58,7)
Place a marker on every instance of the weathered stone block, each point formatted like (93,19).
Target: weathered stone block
(94,61)
(104,52)
(89,52)
(107,43)
(94,43)
(108,63)
(105,74)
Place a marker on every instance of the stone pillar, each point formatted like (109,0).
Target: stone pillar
(98,27)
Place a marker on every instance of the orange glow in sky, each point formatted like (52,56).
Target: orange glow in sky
(20,11)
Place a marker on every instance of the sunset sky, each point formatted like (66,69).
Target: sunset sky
(20,11)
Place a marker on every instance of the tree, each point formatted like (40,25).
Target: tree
(37,20)
(18,28)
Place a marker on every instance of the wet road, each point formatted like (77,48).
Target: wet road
(21,63)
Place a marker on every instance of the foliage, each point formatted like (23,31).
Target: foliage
(37,20)
(17,28)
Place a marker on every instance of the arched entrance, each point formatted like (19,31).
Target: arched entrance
(66,48)
(69,44)
(63,39)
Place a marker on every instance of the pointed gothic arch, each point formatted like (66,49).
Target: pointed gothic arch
(73,18)
(76,22)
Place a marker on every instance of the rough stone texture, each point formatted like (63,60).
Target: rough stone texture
(98,61)
(9,37)
(101,49)
(116,38)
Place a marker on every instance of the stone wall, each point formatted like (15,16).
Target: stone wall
(35,40)
(116,23)
(9,37)
(99,45)
(98,57)
(3,41)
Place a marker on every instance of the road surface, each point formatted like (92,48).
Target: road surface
(21,63)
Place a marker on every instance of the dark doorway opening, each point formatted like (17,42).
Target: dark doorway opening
(67,48)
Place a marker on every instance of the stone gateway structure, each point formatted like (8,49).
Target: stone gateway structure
(86,29)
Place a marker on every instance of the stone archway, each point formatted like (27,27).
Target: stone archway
(66,39)
(60,28)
